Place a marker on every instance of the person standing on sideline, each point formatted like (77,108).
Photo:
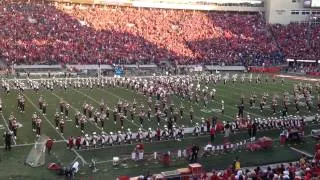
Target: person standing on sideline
(195,151)
(7,139)
(237,164)
(212,134)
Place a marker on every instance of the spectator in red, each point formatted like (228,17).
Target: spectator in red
(214,176)
(49,145)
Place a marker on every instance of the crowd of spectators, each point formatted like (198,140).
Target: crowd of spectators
(45,33)
(298,41)
(42,33)
(304,169)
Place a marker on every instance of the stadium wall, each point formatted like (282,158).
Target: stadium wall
(246,6)
(276,11)
(288,11)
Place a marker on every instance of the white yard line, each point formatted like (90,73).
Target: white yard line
(299,78)
(5,122)
(302,152)
(45,117)
(102,162)
(30,144)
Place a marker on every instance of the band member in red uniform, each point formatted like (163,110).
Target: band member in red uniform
(158,134)
(49,145)
(14,128)
(70,142)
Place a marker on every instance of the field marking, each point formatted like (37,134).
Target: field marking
(30,144)
(298,78)
(102,162)
(301,152)
(45,117)
(5,122)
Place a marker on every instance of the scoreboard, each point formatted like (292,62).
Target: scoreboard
(312,3)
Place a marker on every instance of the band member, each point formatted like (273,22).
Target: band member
(84,108)
(44,107)
(141,117)
(38,126)
(240,110)
(77,118)
(14,127)
(296,102)
(61,125)
(102,106)
(82,120)
(90,111)
(119,106)
(66,110)
(22,102)
(102,119)
(191,114)
(125,108)
(34,119)
(57,119)
(274,105)
(222,107)
(262,103)
(149,113)
(132,114)
(121,118)
(251,101)
(40,102)
(149,135)
(61,104)
(158,134)
(115,113)
(158,118)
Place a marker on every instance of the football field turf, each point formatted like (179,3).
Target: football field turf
(15,168)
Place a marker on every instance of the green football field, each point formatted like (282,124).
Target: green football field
(13,166)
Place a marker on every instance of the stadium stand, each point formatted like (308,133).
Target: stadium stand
(42,33)
(298,41)
(298,170)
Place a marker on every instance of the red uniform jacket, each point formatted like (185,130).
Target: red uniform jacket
(49,143)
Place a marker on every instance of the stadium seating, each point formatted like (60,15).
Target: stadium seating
(288,171)
(43,33)
(298,41)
